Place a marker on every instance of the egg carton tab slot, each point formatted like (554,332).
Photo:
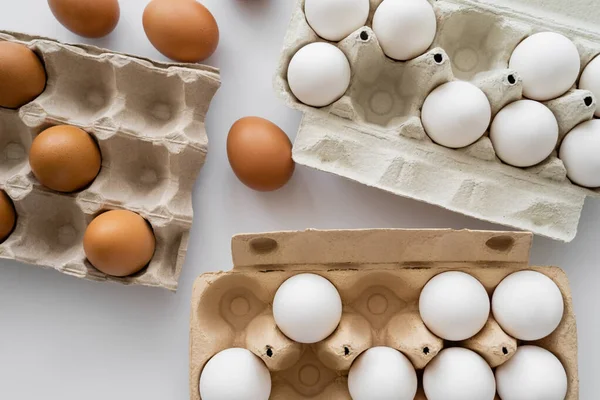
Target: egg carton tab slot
(147,119)
(377,120)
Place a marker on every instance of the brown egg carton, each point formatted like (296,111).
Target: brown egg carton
(148,120)
(379,275)
(374,134)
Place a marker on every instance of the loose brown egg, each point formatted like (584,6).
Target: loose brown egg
(260,154)
(22,75)
(7,216)
(119,243)
(64,158)
(183,30)
(88,18)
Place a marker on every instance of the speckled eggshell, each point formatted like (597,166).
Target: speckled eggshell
(22,75)
(64,158)
(119,243)
(87,18)
(183,30)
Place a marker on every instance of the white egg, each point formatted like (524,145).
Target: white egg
(528,305)
(548,63)
(459,374)
(235,374)
(579,152)
(454,305)
(590,80)
(382,373)
(335,19)
(307,308)
(319,74)
(456,114)
(532,373)
(405,29)
(524,133)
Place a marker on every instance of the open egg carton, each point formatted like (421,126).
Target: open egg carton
(148,120)
(379,275)
(374,134)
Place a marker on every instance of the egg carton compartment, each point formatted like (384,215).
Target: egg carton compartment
(148,120)
(374,135)
(379,275)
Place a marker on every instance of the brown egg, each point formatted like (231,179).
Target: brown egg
(88,18)
(22,75)
(119,243)
(183,30)
(7,216)
(260,154)
(64,158)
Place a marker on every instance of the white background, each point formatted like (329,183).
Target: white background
(63,338)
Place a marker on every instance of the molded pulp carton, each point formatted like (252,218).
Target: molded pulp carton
(374,134)
(379,275)
(148,120)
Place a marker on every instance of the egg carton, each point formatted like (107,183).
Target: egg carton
(148,120)
(374,134)
(379,275)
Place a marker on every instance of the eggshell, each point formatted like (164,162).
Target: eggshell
(307,308)
(8,216)
(548,63)
(405,29)
(454,305)
(459,374)
(235,374)
(319,74)
(64,158)
(88,18)
(382,373)
(579,152)
(260,154)
(22,75)
(335,19)
(532,373)
(524,133)
(119,243)
(590,80)
(528,305)
(183,30)
(456,114)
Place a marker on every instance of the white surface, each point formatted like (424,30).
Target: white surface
(63,338)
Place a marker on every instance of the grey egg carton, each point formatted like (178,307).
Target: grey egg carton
(374,134)
(148,120)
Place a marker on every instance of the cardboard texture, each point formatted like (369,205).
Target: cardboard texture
(379,275)
(374,134)
(148,119)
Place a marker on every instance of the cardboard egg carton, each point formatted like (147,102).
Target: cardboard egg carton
(148,120)
(374,134)
(379,275)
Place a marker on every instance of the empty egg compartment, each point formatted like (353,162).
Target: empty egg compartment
(374,135)
(147,118)
(379,275)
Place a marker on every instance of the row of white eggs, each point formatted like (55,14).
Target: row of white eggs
(528,305)
(383,373)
